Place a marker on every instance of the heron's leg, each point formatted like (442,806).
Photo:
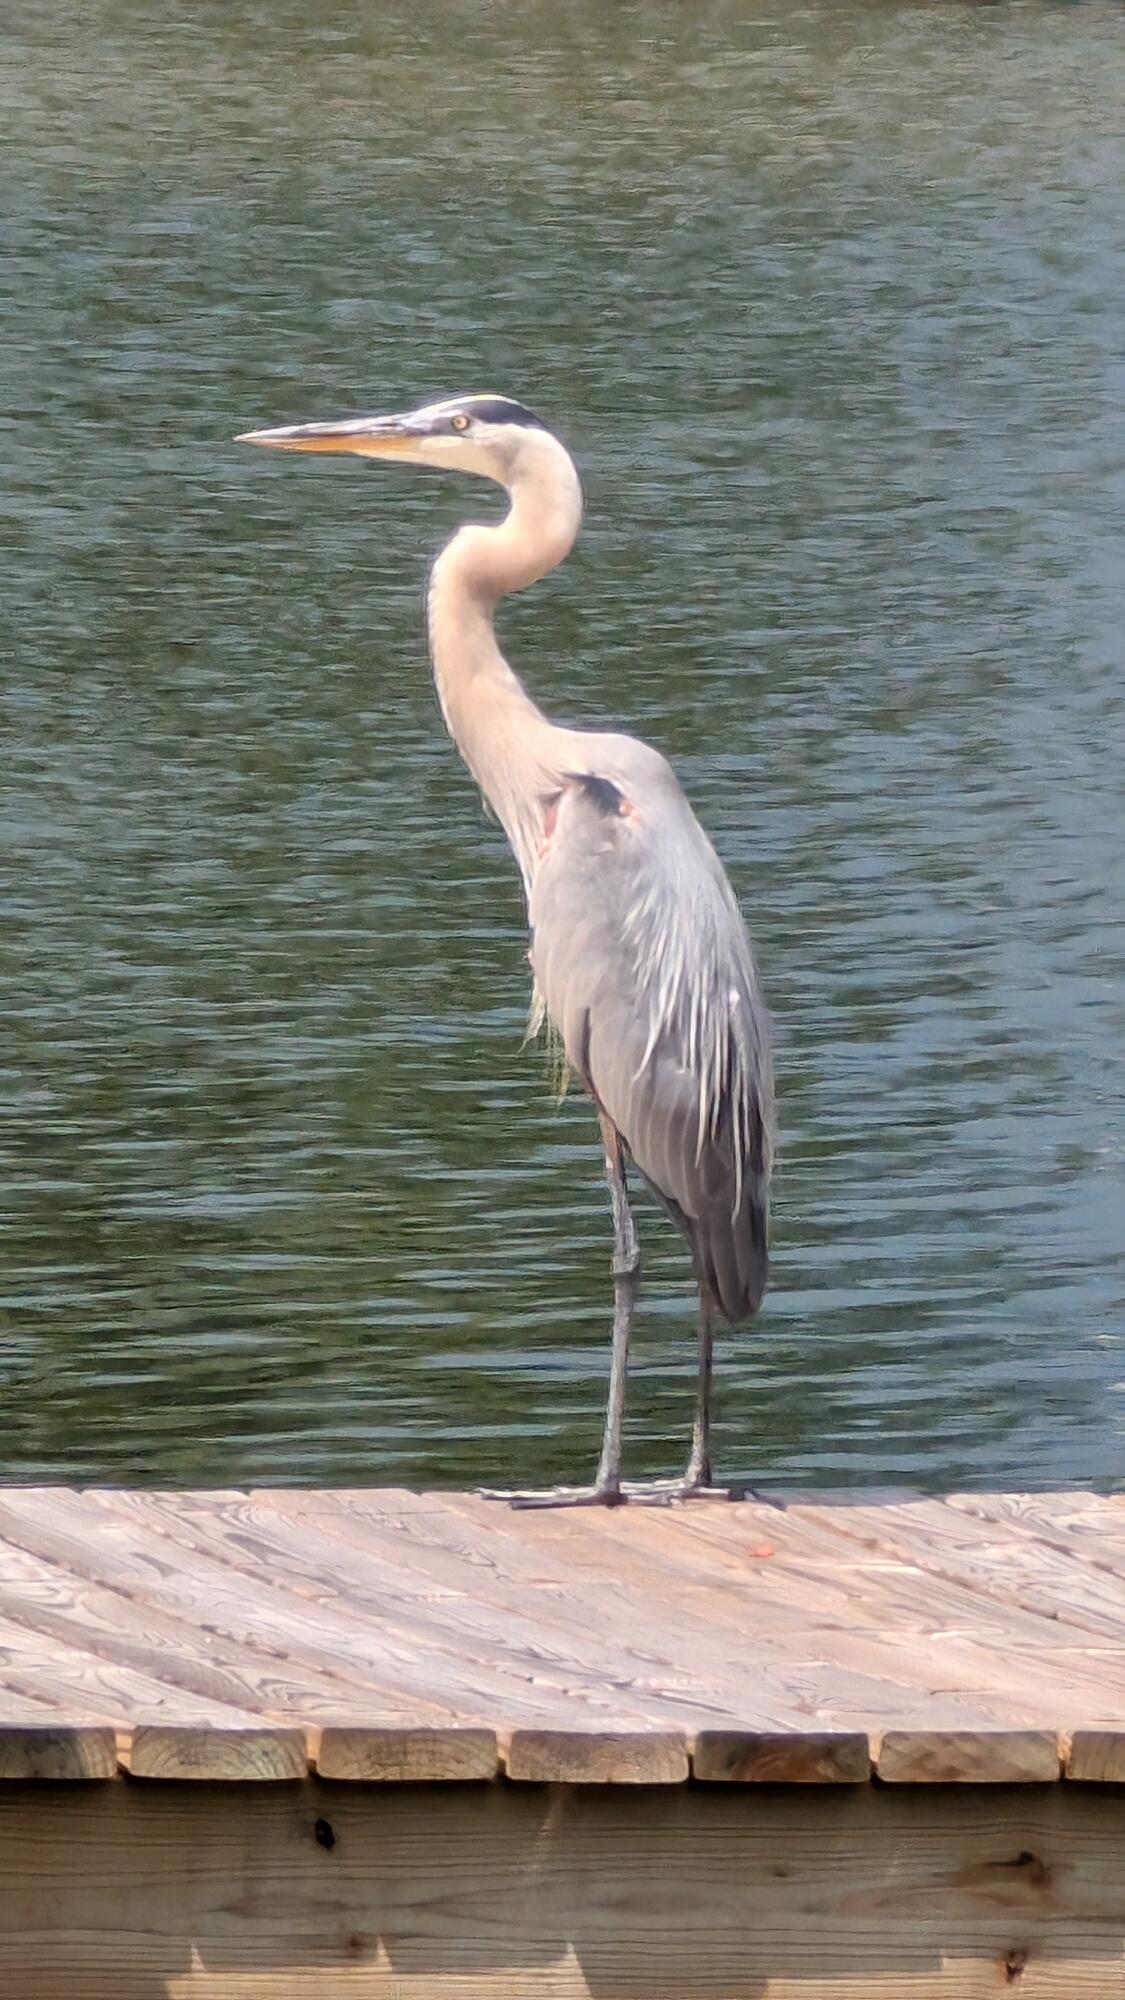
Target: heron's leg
(625,1265)
(696,1482)
(699,1464)
(606,1489)
(626,1249)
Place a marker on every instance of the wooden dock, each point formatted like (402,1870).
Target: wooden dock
(408,1746)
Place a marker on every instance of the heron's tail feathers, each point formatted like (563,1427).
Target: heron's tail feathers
(731,1254)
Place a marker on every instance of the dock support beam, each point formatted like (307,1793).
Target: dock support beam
(145,1890)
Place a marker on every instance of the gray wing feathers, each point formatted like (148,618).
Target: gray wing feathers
(642,961)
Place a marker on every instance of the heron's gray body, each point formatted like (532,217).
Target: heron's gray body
(640,956)
(642,962)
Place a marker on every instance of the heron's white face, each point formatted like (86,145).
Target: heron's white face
(482,434)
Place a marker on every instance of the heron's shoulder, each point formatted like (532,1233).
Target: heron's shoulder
(633,766)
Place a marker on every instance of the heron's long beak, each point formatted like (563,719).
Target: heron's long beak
(371,437)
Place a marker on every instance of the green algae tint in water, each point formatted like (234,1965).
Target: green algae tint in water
(828,303)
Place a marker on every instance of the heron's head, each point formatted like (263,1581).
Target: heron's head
(488,435)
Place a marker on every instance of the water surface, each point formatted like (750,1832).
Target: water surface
(827,301)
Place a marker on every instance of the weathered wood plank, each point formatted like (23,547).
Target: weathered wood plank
(841,1757)
(398,1624)
(484,1661)
(976,1757)
(107,1618)
(923,1567)
(865,1635)
(596,1757)
(73,1752)
(873,1664)
(755,1631)
(58,1676)
(1067,1583)
(407,1756)
(718,1892)
(212,1754)
(114,1588)
(1096,1756)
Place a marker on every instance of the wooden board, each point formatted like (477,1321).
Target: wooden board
(382,1635)
(526,1892)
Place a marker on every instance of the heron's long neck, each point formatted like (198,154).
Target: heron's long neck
(506,741)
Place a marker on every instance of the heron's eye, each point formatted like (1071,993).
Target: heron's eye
(460,422)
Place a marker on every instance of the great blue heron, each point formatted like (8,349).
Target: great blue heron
(639,954)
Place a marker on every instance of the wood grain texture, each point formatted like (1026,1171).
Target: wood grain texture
(513,1892)
(977,1757)
(723,1756)
(596,1757)
(1096,1757)
(957,1637)
(407,1756)
(243,1756)
(47,1750)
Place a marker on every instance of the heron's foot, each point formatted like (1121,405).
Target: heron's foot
(671,1492)
(740,1489)
(598,1495)
(629,1493)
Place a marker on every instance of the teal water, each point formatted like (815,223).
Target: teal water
(827,302)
